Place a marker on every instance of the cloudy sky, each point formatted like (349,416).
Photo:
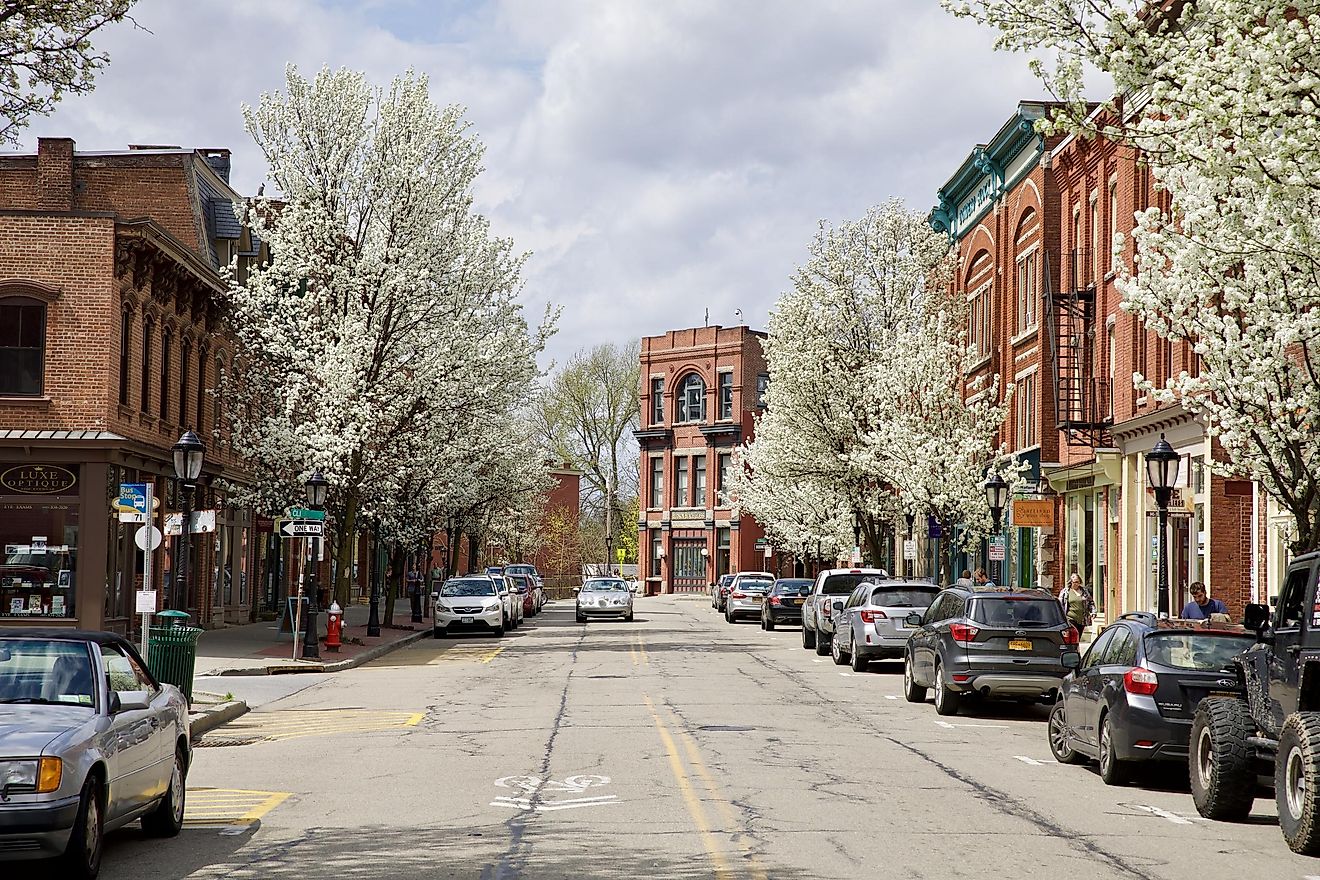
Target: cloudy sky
(658,157)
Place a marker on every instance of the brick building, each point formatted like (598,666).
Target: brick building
(111,343)
(700,389)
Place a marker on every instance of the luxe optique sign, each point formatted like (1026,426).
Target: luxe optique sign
(38,479)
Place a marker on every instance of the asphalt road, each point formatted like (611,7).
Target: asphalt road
(676,746)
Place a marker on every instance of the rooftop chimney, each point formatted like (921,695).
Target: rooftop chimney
(55,174)
(219,162)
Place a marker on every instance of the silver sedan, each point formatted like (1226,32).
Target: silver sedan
(89,742)
(604,597)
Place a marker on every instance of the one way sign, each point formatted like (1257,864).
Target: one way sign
(302,528)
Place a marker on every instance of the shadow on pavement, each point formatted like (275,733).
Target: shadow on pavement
(541,848)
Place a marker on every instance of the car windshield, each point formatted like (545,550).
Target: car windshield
(1015,612)
(605,586)
(904,596)
(754,583)
(468,588)
(45,671)
(1206,651)
(792,588)
(843,584)
(520,569)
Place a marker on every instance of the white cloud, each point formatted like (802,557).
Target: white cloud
(657,158)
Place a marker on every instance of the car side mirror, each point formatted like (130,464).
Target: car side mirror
(838,606)
(1071,660)
(576,590)
(128,701)
(913,619)
(1255,616)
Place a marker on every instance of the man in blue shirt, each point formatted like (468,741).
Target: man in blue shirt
(1202,606)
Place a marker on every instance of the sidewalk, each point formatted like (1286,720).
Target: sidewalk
(261,649)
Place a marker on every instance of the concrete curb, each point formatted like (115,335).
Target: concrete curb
(213,718)
(365,657)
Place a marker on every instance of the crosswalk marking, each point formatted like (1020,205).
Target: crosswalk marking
(293,723)
(227,807)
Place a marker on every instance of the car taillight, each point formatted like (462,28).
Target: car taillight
(774,600)
(873,616)
(963,633)
(1139,680)
(737,595)
(1070,636)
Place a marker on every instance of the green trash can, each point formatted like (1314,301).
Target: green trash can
(172,651)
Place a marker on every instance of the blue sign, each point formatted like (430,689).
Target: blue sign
(933,529)
(134,496)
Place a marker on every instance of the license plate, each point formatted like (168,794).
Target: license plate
(1019,644)
(467,620)
(794,601)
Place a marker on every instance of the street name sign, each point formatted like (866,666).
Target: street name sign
(302,528)
(306,513)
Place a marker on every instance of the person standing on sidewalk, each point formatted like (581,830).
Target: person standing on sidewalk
(1202,606)
(1078,606)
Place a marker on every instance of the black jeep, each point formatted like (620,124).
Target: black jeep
(1269,730)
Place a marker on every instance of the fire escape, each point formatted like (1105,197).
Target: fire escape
(1082,408)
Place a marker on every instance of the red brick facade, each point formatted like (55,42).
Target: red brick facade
(701,388)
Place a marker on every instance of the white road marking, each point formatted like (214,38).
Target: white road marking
(846,674)
(1164,814)
(817,660)
(1032,761)
(534,791)
(569,804)
(890,697)
(949,726)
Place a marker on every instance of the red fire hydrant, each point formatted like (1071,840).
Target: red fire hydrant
(334,627)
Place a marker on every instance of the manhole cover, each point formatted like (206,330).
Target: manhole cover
(726,728)
(207,742)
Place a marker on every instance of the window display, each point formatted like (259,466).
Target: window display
(39,541)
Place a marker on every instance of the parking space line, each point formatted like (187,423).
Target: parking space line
(1032,761)
(890,697)
(1164,814)
(228,807)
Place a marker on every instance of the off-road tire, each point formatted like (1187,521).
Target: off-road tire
(80,860)
(808,637)
(1219,759)
(859,663)
(1059,748)
(1297,782)
(947,701)
(912,692)
(1112,770)
(167,819)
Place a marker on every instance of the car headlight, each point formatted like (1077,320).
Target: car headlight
(492,606)
(40,775)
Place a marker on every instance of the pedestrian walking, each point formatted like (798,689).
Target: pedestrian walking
(965,580)
(1078,606)
(1202,606)
(983,580)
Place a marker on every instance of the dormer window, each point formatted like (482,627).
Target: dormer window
(690,403)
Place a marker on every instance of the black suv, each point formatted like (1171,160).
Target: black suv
(1139,684)
(1271,725)
(989,643)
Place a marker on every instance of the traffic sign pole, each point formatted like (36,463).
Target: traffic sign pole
(146,569)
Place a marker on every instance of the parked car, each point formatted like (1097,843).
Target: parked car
(783,604)
(1269,726)
(604,597)
(508,591)
(471,602)
(527,591)
(832,585)
(873,623)
(989,643)
(91,743)
(719,591)
(746,594)
(537,584)
(1137,689)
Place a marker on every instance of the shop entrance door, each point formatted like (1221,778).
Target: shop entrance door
(689,567)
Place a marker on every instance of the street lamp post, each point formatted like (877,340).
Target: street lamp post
(316,488)
(911,519)
(609,554)
(996,493)
(188,455)
(857,536)
(1161,473)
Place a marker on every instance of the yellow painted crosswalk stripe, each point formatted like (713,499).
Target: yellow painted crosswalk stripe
(229,806)
(293,723)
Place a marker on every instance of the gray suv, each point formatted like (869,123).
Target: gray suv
(993,643)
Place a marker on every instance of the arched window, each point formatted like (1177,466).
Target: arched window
(690,402)
(185,389)
(166,343)
(22,346)
(148,332)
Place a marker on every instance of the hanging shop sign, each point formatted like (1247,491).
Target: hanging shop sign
(38,479)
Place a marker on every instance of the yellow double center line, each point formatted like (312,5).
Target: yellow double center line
(696,807)
(637,650)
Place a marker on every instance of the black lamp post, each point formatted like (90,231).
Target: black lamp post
(609,554)
(317,487)
(857,534)
(373,612)
(996,493)
(188,455)
(1161,473)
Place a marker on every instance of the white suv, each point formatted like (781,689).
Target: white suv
(468,603)
(832,585)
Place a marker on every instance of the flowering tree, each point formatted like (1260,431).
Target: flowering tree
(385,333)
(865,417)
(1221,97)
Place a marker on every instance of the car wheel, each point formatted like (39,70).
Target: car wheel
(437,632)
(808,637)
(946,699)
(1296,775)
(629,618)
(1219,760)
(581,618)
(498,631)
(728,617)
(836,653)
(912,692)
(82,855)
(167,819)
(1112,770)
(823,641)
(1063,753)
(770,624)
(859,663)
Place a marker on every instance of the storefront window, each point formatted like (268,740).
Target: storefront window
(39,534)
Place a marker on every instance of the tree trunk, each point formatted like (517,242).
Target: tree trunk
(472,552)
(345,543)
(391,583)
